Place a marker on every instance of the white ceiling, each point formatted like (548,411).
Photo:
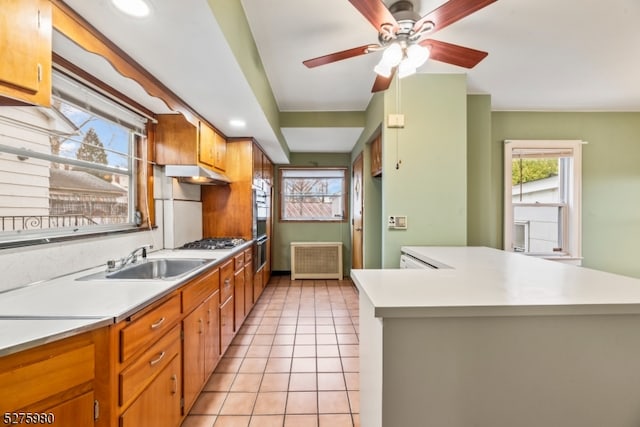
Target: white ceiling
(576,55)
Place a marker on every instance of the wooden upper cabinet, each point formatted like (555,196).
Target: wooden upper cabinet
(178,142)
(267,170)
(220,152)
(257,165)
(376,156)
(25,49)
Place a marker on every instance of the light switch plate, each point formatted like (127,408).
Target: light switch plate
(395,120)
(397,222)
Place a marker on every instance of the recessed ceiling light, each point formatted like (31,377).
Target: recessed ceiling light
(137,8)
(237,123)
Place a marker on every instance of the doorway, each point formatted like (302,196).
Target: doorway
(358,209)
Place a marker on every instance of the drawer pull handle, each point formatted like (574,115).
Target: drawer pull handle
(227,282)
(157,359)
(200,328)
(208,316)
(158,323)
(174,384)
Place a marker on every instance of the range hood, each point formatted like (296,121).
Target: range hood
(194,174)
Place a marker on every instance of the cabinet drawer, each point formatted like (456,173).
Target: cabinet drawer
(148,327)
(136,377)
(199,289)
(248,254)
(239,261)
(159,403)
(226,280)
(31,376)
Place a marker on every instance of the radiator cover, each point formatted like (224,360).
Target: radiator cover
(316,260)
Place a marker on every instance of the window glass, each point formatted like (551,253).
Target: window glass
(312,194)
(66,170)
(543,207)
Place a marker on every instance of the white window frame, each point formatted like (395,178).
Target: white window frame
(82,97)
(573,232)
(329,170)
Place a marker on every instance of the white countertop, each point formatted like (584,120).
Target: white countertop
(56,308)
(20,334)
(490,282)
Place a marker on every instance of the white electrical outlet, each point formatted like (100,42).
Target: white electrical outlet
(397,222)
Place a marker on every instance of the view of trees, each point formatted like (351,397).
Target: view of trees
(525,170)
(92,150)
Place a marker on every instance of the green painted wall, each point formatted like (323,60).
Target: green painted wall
(425,163)
(286,232)
(372,187)
(484,176)
(610,179)
(310,119)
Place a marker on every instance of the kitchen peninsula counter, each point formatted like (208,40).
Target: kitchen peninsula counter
(498,339)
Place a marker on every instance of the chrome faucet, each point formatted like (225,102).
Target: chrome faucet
(133,256)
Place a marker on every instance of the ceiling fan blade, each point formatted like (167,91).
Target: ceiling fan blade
(376,12)
(339,56)
(450,12)
(453,53)
(382,83)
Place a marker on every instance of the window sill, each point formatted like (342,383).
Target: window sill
(57,239)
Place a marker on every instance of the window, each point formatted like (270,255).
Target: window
(69,169)
(542,197)
(316,194)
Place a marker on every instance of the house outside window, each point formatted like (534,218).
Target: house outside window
(313,194)
(68,169)
(543,197)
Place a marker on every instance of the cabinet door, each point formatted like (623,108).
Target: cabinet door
(376,156)
(257,166)
(226,324)
(257,285)
(238,297)
(25,49)
(248,288)
(75,412)
(220,152)
(159,404)
(206,145)
(267,170)
(212,334)
(193,353)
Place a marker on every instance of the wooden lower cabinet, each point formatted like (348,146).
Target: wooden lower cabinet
(56,380)
(257,284)
(159,404)
(238,298)
(248,289)
(212,335)
(226,324)
(78,411)
(200,348)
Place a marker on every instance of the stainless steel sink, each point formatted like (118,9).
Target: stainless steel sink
(152,269)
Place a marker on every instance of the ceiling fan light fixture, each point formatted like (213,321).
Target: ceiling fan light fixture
(383,70)
(392,55)
(417,55)
(405,69)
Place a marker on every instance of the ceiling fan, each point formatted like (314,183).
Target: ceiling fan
(401,34)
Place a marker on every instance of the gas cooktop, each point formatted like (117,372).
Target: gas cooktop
(214,243)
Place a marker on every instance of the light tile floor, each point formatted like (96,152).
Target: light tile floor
(294,362)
